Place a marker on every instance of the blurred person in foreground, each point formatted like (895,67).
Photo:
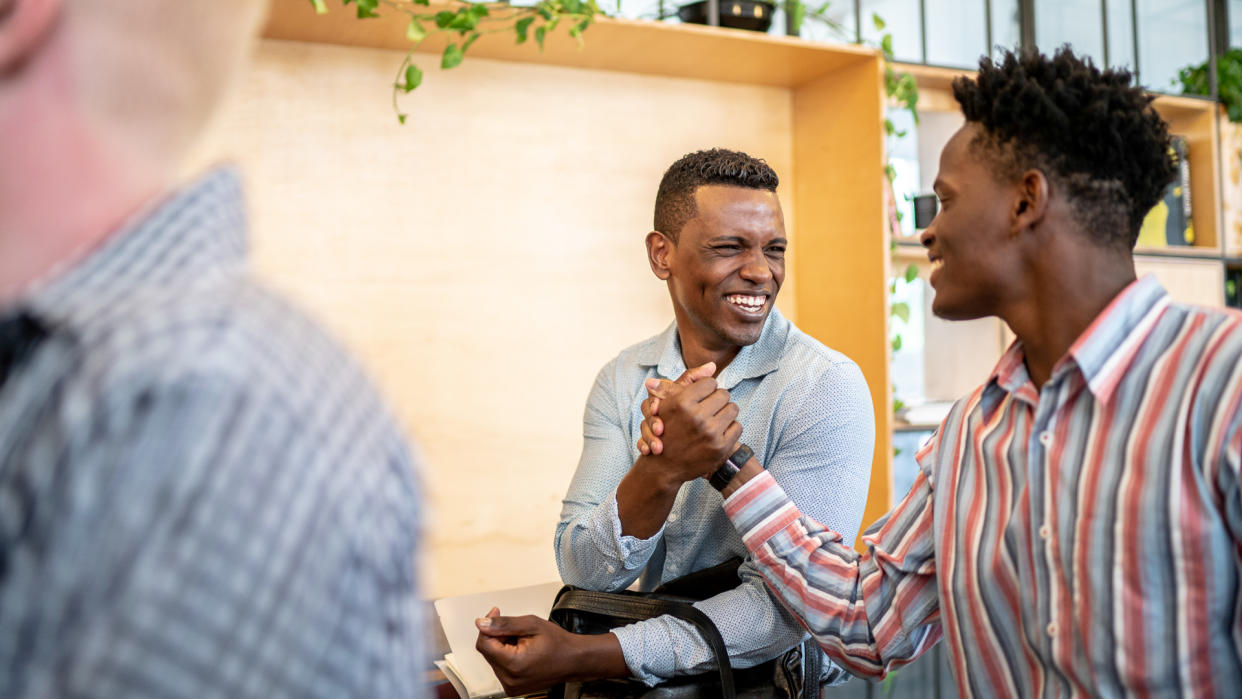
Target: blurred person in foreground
(1076,522)
(200,493)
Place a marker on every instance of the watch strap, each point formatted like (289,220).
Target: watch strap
(723,475)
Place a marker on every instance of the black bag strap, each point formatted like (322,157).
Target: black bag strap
(705,583)
(812,664)
(638,608)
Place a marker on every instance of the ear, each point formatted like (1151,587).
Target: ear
(659,249)
(23,24)
(1031,203)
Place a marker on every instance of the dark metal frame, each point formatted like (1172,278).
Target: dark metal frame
(1217,16)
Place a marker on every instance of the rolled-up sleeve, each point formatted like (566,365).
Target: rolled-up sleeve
(591,552)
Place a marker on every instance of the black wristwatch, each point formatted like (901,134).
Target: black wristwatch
(723,475)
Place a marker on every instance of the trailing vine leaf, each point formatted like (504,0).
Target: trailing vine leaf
(912,272)
(453,55)
(366,8)
(413,77)
(470,20)
(415,32)
(901,310)
(522,26)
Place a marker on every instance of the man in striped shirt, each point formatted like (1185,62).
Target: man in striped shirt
(1075,527)
(200,493)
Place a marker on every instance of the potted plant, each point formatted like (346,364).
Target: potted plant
(754,15)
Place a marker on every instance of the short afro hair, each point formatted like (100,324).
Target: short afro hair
(1091,132)
(675,203)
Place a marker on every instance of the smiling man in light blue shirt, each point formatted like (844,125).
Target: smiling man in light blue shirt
(719,243)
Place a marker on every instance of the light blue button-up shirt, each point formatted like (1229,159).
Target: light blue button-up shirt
(806,412)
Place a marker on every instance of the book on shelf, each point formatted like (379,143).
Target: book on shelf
(463,666)
(1170,221)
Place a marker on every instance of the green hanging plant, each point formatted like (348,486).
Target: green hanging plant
(465,22)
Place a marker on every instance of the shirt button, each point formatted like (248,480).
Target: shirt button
(1044,532)
(1052,629)
(1045,438)
(612,568)
(672,517)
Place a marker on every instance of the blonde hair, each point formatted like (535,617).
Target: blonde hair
(150,72)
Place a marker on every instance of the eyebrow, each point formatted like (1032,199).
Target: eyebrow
(740,239)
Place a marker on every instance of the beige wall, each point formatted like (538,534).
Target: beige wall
(485,260)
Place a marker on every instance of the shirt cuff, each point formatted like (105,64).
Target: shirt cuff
(647,667)
(632,551)
(760,509)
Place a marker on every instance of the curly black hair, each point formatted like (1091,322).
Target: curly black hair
(1090,131)
(675,204)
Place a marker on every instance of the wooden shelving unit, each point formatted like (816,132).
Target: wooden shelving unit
(840,257)
(1191,117)
(646,48)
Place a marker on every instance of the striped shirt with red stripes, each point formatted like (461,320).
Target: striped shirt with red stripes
(1083,538)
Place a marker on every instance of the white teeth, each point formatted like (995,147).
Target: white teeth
(750,303)
(937,263)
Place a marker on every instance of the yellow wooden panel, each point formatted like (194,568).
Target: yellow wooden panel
(842,255)
(650,48)
(1199,282)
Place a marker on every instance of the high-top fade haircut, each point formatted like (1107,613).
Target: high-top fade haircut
(675,203)
(1092,133)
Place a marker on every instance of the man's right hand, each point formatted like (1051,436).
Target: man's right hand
(529,654)
(649,443)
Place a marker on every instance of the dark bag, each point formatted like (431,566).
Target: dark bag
(793,675)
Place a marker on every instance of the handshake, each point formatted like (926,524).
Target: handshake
(689,425)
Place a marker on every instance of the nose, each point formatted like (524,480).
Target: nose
(928,236)
(756,270)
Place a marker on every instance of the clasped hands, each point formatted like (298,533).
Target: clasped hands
(690,424)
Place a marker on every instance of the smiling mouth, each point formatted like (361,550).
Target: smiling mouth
(747,303)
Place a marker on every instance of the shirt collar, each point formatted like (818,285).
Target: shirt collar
(1102,352)
(197,232)
(1105,349)
(752,361)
